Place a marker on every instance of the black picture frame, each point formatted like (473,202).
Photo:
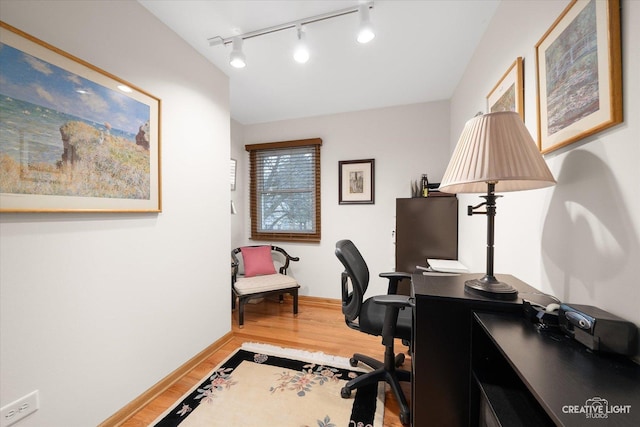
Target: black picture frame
(356,182)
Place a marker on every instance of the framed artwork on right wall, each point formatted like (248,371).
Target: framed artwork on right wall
(508,93)
(579,73)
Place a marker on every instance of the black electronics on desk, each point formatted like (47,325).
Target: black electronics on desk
(597,329)
(594,328)
(545,316)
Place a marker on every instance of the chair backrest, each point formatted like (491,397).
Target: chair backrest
(279,256)
(357,273)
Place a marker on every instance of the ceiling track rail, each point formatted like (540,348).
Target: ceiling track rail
(218,40)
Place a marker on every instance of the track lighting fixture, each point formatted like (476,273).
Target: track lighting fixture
(365,34)
(238,60)
(301,52)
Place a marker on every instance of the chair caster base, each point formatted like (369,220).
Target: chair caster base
(353,362)
(405,418)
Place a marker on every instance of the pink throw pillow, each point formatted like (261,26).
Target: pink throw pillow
(257,261)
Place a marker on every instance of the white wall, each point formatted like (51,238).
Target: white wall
(405,142)
(238,197)
(95,309)
(580,239)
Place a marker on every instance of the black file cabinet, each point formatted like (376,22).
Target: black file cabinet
(425,228)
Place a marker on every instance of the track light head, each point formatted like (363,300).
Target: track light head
(301,52)
(237,58)
(365,33)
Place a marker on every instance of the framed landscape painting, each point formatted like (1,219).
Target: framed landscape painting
(508,93)
(356,182)
(73,138)
(579,71)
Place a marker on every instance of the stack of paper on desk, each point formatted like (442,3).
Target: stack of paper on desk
(447,266)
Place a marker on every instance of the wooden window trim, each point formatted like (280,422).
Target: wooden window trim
(284,236)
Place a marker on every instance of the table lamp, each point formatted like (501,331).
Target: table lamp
(494,153)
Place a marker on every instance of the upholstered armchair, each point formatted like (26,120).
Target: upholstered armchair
(258,272)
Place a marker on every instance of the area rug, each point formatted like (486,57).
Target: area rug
(264,385)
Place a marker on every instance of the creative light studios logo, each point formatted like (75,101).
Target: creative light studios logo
(596,407)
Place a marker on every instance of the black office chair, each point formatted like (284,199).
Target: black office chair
(383,315)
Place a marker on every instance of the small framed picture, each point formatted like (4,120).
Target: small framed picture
(508,93)
(356,182)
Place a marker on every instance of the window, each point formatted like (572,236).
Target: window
(285,190)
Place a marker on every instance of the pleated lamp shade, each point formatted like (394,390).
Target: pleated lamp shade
(498,148)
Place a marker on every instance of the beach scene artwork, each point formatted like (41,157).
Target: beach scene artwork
(62,134)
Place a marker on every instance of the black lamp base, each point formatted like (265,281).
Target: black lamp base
(490,287)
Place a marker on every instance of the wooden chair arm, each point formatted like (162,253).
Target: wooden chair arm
(234,269)
(287,258)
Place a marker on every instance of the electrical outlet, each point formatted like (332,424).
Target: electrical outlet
(19,409)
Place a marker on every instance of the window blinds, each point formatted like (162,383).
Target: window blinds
(285,190)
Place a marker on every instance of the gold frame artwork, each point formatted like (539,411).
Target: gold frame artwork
(73,137)
(508,93)
(579,74)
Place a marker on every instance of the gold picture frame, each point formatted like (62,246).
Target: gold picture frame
(508,93)
(73,137)
(579,74)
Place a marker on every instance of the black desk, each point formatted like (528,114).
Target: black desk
(443,318)
(551,374)
(545,378)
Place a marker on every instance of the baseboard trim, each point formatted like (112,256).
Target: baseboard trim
(145,398)
(319,302)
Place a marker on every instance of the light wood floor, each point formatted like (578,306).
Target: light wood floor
(318,327)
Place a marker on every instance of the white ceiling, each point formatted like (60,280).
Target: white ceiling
(420,52)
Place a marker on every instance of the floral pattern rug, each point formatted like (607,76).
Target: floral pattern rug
(257,389)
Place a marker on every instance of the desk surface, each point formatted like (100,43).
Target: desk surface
(452,287)
(564,375)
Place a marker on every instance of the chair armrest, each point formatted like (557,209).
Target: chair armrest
(393,304)
(393,274)
(394,278)
(234,265)
(287,258)
(400,301)
(234,271)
